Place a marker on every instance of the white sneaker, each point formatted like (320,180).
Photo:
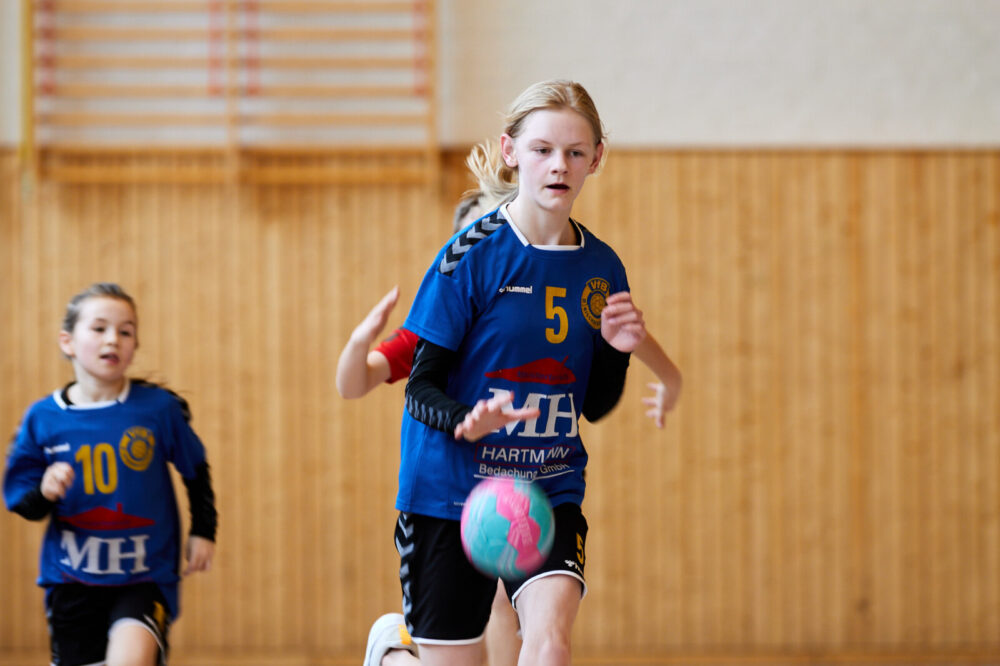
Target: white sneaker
(388,633)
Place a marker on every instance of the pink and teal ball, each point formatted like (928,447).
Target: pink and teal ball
(507,527)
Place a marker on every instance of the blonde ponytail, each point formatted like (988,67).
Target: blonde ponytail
(497,181)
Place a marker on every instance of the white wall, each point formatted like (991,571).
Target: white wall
(709,72)
(10,64)
(736,72)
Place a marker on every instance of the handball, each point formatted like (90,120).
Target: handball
(507,528)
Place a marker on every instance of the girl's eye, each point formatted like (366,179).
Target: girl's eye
(98,329)
(543,151)
(127,334)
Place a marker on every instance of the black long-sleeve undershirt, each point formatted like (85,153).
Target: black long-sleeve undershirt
(607,381)
(201,499)
(34,505)
(427,402)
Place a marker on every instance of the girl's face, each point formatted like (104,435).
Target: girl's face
(553,155)
(103,340)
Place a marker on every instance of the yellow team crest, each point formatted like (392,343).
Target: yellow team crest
(595,297)
(136,448)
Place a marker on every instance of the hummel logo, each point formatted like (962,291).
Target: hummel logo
(511,289)
(573,565)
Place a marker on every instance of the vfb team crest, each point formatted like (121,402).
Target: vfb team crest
(136,448)
(595,297)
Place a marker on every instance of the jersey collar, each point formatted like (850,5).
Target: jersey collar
(60,397)
(525,243)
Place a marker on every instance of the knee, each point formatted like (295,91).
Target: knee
(132,660)
(132,645)
(549,648)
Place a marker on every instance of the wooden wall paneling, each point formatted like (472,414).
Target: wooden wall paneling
(912,454)
(786,200)
(828,486)
(610,471)
(768,404)
(878,271)
(316,383)
(744,467)
(732,484)
(668,326)
(839,207)
(974,435)
(944,420)
(986,434)
(990,401)
(694,436)
(964,443)
(9,244)
(246,555)
(19,556)
(939,266)
(943,267)
(858,582)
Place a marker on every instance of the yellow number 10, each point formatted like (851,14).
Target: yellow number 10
(100,469)
(553,311)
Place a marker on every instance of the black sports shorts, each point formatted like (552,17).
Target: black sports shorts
(445,599)
(81,616)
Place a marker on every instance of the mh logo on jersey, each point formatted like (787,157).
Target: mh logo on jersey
(595,297)
(136,448)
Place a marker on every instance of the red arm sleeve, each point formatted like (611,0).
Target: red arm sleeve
(398,350)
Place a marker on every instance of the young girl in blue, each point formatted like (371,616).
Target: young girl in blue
(93,457)
(525,322)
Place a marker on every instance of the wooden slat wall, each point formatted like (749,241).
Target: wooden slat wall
(829,488)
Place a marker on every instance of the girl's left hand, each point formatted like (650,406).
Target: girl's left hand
(198,554)
(622,325)
(661,402)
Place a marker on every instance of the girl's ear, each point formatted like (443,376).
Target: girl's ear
(598,154)
(66,343)
(507,151)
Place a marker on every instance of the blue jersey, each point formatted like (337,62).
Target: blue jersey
(118,524)
(522,319)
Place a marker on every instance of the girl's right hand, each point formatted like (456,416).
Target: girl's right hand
(489,415)
(57,480)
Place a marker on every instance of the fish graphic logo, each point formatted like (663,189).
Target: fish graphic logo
(543,371)
(103,518)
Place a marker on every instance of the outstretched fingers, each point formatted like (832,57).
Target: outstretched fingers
(489,415)
(375,321)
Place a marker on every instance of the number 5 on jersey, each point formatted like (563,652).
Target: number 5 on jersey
(556,312)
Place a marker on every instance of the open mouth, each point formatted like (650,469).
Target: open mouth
(561,187)
(110,358)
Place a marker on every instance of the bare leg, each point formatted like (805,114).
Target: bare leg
(502,642)
(132,644)
(547,608)
(449,655)
(399,658)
